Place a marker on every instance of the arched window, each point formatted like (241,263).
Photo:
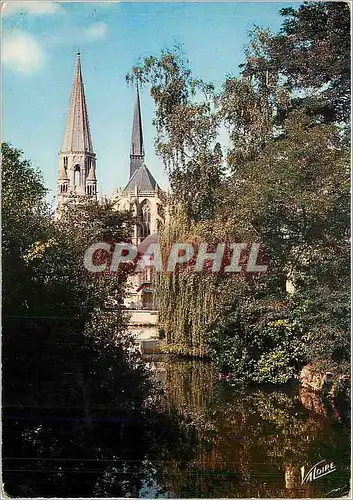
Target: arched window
(146,218)
(77,172)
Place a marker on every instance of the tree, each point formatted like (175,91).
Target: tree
(77,399)
(313,50)
(290,186)
(186,124)
(25,219)
(288,165)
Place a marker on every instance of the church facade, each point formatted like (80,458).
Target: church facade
(77,180)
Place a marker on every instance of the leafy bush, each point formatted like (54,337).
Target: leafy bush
(256,342)
(325,316)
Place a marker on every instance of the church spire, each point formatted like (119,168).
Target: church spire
(77,160)
(137,153)
(77,135)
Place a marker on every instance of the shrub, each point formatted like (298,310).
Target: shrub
(256,342)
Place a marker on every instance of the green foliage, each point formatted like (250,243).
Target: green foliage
(308,61)
(256,342)
(287,187)
(314,51)
(187,124)
(324,313)
(161,333)
(291,193)
(25,220)
(56,298)
(77,401)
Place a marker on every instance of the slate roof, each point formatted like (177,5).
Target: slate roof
(143,180)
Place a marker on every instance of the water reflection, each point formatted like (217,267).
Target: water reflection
(253,442)
(205,438)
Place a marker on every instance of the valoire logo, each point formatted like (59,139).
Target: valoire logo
(320,469)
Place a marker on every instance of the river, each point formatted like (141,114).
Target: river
(196,437)
(251,442)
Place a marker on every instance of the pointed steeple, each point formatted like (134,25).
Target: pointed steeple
(77,135)
(137,152)
(77,160)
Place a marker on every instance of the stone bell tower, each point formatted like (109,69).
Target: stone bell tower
(142,196)
(77,160)
(142,193)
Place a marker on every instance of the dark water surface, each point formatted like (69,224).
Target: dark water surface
(207,439)
(253,442)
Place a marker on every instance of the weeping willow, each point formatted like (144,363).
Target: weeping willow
(187,301)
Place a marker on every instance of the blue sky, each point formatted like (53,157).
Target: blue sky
(40,41)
